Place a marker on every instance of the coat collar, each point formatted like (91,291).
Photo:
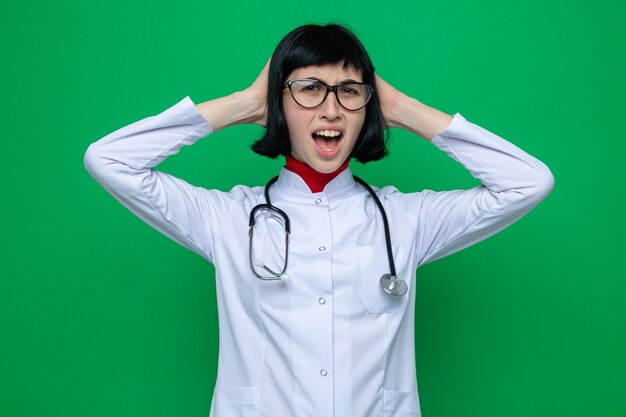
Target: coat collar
(291,187)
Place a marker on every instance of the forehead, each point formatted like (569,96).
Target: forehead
(329,73)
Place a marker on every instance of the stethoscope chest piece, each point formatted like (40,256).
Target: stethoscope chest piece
(393,285)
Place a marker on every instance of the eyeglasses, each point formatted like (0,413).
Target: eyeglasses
(310,93)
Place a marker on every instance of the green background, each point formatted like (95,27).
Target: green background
(100,315)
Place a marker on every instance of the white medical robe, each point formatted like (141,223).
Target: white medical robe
(330,341)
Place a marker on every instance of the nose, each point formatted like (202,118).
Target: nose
(330,107)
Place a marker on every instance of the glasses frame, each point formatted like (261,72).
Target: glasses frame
(329,88)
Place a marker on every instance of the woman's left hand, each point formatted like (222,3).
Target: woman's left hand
(389,98)
(410,114)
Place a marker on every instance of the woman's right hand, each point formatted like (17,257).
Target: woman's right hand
(258,94)
(242,107)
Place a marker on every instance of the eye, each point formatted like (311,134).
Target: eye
(350,90)
(310,87)
(307,87)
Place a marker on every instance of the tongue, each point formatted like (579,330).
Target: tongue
(326,144)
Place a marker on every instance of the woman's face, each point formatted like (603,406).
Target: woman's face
(323,137)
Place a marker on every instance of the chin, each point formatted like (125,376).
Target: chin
(327,167)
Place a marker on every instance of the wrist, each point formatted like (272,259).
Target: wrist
(419,118)
(250,107)
(402,108)
(236,108)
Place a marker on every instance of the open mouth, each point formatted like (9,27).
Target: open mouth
(327,142)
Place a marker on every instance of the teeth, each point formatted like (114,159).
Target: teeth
(328,133)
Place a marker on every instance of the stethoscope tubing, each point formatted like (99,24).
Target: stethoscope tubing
(392,266)
(391,283)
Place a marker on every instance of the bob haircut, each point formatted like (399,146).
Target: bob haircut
(319,45)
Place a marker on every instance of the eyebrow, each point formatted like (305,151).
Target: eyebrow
(349,80)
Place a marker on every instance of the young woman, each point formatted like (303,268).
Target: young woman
(319,323)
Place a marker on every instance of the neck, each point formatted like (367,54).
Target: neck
(314,179)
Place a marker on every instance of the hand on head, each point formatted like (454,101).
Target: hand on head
(258,92)
(389,98)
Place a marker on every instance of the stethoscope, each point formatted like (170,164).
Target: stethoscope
(390,282)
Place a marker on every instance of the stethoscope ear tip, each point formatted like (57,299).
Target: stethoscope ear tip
(284,277)
(259,263)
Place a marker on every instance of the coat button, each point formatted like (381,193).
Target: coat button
(323,372)
(322,248)
(317,201)
(322,301)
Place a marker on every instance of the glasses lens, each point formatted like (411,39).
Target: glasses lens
(308,93)
(353,96)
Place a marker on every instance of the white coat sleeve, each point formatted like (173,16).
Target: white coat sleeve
(123,163)
(513,182)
